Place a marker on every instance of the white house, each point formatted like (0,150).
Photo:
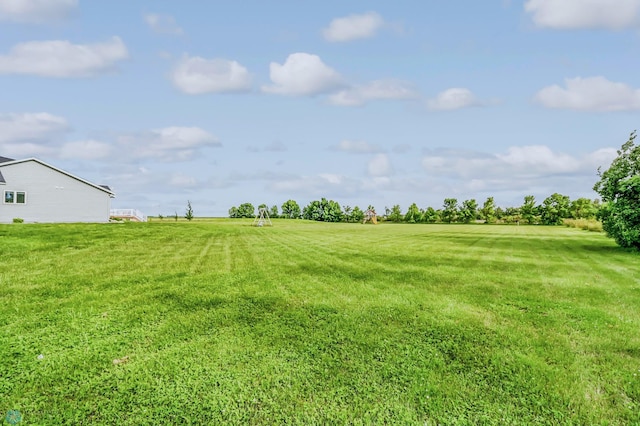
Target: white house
(38,192)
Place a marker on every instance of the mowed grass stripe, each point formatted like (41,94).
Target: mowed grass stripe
(307,323)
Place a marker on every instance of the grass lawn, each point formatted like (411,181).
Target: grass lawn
(217,322)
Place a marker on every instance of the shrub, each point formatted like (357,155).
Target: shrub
(18,220)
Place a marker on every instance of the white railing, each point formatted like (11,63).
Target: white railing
(128,214)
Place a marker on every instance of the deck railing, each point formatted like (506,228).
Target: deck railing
(132,214)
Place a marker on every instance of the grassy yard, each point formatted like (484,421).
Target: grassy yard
(217,322)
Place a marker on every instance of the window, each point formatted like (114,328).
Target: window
(15,197)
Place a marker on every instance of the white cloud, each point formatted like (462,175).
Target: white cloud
(590,94)
(302,74)
(518,163)
(169,143)
(521,170)
(451,99)
(353,27)
(195,75)
(36,10)
(358,147)
(379,166)
(573,14)
(320,185)
(162,24)
(85,150)
(31,127)
(60,58)
(25,150)
(376,90)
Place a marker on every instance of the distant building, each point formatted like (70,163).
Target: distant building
(39,192)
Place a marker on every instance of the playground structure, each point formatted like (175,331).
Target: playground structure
(262,218)
(370,215)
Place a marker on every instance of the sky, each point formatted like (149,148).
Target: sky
(365,103)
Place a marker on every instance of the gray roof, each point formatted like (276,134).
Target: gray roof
(2,178)
(5,159)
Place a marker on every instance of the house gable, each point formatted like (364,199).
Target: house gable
(9,161)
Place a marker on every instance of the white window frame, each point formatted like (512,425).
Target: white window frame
(14,197)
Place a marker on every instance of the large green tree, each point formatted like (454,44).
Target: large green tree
(323,211)
(449,210)
(554,208)
(246,210)
(396,214)
(290,210)
(619,187)
(488,211)
(528,209)
(583,208)
(468,211)
(413,214)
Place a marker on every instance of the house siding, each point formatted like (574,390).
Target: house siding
(52,196)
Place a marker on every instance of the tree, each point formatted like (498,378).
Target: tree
(246,210)
(290,210)
(347,213)
(449,210)
(413,214)
(189,212)
(233,212)
(323,211)
(583,208)
(488,211)
(528,209)
(619,187)
(396,214)
(469,211)
(273,212)
(356,215)
(430,215)
(554,208)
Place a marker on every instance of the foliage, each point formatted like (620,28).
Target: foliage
(246,210)
(528,209)
(233,212)
(18,220)
(413,214)
(160,217)
(554,209)
(430,215)
(450,210)
(621,218)
(175,216)
(395,215)
(290,210)
(468,211)
(356,215)
(323,211)
(189,212)
(347,324)
(584,208)
(619,188)
(273,212)
(488,211)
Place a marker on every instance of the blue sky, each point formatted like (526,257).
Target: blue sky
(222,103)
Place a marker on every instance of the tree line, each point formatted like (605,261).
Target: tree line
(619,211)
(552,211)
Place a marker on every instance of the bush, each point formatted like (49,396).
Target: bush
(18,220)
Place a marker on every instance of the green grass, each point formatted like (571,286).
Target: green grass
(217,322)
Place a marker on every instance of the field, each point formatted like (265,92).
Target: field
(217,322)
